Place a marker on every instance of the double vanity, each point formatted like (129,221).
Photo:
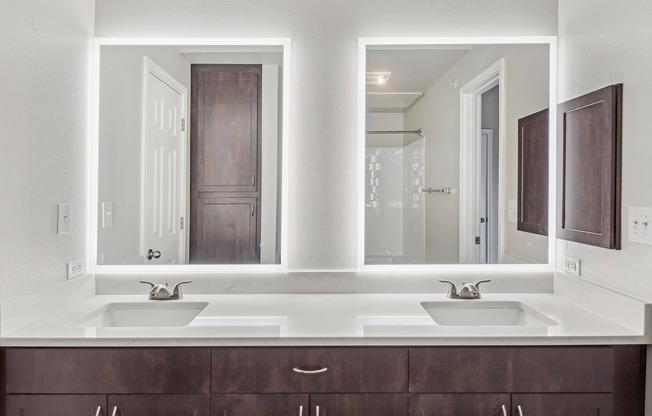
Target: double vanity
(574,349)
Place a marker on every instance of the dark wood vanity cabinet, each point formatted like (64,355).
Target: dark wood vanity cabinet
(312,381)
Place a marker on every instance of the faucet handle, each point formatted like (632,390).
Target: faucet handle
(452,289)
(148,283)
(477,284)
(177,288)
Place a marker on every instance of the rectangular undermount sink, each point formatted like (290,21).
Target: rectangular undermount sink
(142,314)
(485,313)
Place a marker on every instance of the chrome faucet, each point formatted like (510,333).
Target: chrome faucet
(161,292)
(468,291)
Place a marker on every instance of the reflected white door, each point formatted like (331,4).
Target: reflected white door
(163,173)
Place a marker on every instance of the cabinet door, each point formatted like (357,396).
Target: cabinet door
(160,405)
(56,405)
(533,144)
(459,404)
(358,404)
(562,404)
(227,231)
(259,404)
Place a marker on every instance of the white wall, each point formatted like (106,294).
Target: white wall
(438,113)
(322,190)
(604,42)
(44,108)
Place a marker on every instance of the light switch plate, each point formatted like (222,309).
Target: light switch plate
(512,211)
(63,219)
(639,224)
(107,214)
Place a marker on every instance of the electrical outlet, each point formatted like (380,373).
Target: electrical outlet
(640,224)
(75,268)
(572,265)
(101,258)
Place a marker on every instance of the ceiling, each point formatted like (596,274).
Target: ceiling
(413,70)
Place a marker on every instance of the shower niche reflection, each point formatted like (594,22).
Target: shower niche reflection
(441,151)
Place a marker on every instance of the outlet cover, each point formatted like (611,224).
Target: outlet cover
(572,266)
(75,268)
(512,211)
(101,258)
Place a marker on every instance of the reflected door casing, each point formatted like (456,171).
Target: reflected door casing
(589,168)
(225,160)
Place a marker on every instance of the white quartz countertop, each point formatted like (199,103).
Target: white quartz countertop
(327,319)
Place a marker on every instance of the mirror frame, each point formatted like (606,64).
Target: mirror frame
(93,203)
(363,43)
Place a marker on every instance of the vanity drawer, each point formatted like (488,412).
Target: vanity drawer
(274,370)
(587,369)
(107,370)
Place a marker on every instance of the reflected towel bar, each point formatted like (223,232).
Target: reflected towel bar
(419,132)
(442,190)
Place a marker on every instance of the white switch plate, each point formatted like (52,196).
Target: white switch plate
(107,214)
(639,224)
(512,210)
(572,265)
(75,268)
(63,219)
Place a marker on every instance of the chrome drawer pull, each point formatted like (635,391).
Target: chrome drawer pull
(317,408)
(302,371)
(115,411)
(504,411)
(98,412)
(520,411)
(300,410)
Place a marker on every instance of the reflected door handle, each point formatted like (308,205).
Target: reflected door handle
(98,412)
(520,411)
(317,410)
(307,371)
(301,410)
(115,411)
(504,411)
(151,254)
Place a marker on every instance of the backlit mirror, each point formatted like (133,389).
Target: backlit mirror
(441,151)
(189,153)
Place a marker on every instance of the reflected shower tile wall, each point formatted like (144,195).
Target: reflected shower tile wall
(414,202)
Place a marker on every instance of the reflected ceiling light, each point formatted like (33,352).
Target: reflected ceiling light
(378,78)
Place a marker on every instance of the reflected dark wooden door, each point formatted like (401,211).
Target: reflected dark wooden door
(225,164)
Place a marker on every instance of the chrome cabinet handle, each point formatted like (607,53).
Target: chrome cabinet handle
(302,371)
(317,409)
(115,411)
(504,411)
(301,410)
(98,412)
(520,411)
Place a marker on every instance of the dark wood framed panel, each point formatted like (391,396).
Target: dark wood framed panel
(348,370)
(160,405)
(107,370)
(563,405)
(260,404)
(228,231)
(359,404)
(533,150)
(225,134)
(55,405)
(589,168)
(459,404)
